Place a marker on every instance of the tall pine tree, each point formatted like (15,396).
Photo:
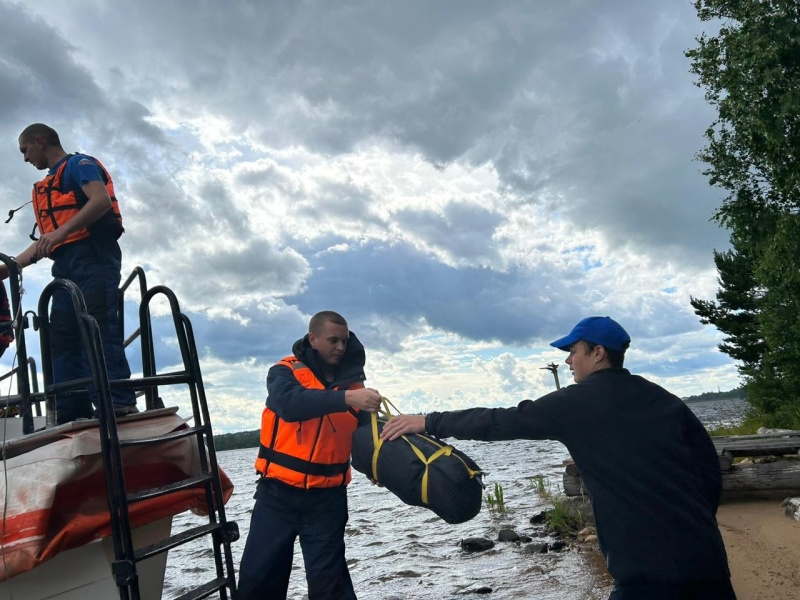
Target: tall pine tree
(751,72)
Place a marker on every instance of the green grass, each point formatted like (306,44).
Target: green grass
(496,501)
(749,426)
(563,515)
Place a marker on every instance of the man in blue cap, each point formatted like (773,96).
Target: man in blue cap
(647,462)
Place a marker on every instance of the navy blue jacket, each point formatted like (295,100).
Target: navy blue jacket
(646,460)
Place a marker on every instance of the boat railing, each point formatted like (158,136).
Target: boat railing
(19,322)
(207,482)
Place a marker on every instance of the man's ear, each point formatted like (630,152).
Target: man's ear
(600,353)
(312,339)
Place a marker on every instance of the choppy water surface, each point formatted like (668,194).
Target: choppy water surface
(400,552)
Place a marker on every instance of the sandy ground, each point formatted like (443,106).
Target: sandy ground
(763,547)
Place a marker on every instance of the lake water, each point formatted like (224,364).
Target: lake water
(400,552)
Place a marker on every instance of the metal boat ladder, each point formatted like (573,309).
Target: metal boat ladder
(220,531)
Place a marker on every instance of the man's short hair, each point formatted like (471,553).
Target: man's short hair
(326,316)
(47,133)
(616,358)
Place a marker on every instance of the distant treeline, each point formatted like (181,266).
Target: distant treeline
(739,392)
(234,441)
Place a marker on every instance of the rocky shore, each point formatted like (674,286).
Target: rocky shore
(762,538)
(543,538)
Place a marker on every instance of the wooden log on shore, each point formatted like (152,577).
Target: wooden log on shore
(778,475)
(764,480)
(780,478)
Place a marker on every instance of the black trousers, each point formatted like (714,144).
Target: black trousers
(654,590)
(281,515)
(95,269)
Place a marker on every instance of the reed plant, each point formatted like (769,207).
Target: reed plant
(564,515)
(496,501)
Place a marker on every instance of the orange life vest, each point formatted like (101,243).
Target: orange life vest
(307,454)
(53,207)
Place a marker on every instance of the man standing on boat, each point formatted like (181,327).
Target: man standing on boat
(315,400)
(649,466)
(79,223)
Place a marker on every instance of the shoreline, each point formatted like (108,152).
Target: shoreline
(763,547)
(762,544)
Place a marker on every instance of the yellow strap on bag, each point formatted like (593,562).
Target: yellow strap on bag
(378,443)
(443,451)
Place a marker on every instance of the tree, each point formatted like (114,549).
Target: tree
(751,72)
(735,311)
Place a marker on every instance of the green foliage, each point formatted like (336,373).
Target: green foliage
(749,426)
(563,515)
(541,486)
(496,501)
(240,439)
(751,72)
(735,312)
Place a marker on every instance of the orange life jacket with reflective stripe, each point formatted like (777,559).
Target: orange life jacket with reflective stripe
(307,454)
(53,207)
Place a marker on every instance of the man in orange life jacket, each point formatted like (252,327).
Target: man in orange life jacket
(79,224)
(315,401)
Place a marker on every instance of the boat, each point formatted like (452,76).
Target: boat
(87,506)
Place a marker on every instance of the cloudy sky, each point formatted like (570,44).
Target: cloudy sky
(462,180)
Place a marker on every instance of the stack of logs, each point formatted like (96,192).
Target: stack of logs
(766,475)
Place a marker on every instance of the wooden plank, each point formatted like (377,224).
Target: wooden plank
(780,478)
(761,446)
(756,436)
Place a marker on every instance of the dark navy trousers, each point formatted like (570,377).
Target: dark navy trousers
(651,590)
(95,268)
(282,514)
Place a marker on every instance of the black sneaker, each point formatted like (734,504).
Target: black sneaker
(123,410)
(120,410)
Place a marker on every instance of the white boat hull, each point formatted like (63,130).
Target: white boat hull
(56,540)
(84,573)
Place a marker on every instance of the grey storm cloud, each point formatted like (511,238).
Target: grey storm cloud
(401,285)
(557,97)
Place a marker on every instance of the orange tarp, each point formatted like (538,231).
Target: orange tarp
(54,496)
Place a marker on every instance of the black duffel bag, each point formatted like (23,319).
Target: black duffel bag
(420,470)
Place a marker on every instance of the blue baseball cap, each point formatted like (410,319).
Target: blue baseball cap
(603,331)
